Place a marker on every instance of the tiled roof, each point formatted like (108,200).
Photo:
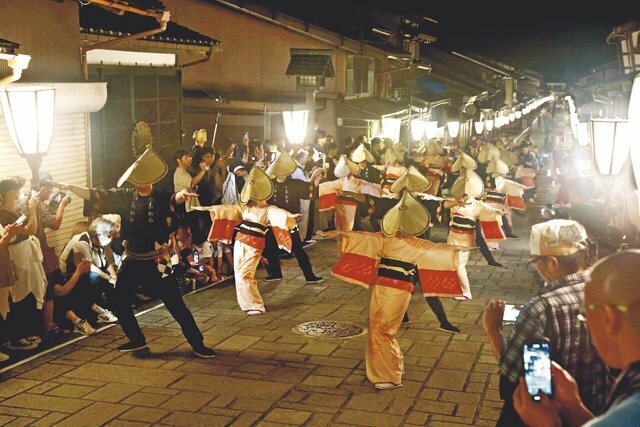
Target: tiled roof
(8,44)
(96,20)
(310,62)
(148,5)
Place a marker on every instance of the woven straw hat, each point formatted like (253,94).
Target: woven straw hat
(408,216)
(463,161)
(468,183)
(283,165)
(488,152)
(558,237)
(497,167)
(433,148)
(345,167)
(258,187)
(509,157)
(148,169)
(390,156)
(412,180)
(361,154)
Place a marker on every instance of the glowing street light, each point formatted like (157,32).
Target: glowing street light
(610,144)
(479,126)
(453,128)
(29,114)
(295,125)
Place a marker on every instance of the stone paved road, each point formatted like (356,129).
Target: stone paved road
(268,375)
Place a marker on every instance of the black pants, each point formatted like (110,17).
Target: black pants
(145,273)
(80,300)
(438,309)
(24,319)
(506,226)
(482,244)
(270,252)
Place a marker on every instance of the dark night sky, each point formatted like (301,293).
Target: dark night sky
(562,39)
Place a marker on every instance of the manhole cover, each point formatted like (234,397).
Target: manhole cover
(329,329)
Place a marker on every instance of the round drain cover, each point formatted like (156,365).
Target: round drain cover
(329,329)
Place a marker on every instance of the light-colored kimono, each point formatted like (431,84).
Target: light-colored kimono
(462,232)
(436,167)
(345,207)
(249,243)
(390,264)
(514,192)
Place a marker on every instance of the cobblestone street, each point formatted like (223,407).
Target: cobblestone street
(267,374)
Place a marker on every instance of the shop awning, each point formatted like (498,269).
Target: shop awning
(369,108)
(311,62)
(96,20)
(7,46)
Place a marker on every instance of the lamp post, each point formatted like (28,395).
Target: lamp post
(295,125)
(453,128)
(29,114)
(609,140)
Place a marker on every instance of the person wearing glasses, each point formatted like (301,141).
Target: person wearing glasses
(560,253)
(612,313)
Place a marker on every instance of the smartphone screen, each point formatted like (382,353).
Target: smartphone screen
(511,312)
(537,368)
(21,221)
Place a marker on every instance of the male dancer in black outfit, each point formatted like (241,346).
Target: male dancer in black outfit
(287,193)
(146,229)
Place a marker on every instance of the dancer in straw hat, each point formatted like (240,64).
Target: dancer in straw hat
(466,211)
(145,215)
(252,216)
(287,193)
(391,261)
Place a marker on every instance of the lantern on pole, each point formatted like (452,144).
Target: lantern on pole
(417,129)
(295,125)
(634,128)
(453,127)
(29,114)
(479,127)
(609,140)
(431,129)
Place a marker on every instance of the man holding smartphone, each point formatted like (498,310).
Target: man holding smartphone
(560,254)
(612,312)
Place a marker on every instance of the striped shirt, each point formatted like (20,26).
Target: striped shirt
(554,314)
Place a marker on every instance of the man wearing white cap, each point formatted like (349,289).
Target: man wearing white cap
(560,252)
(146,229)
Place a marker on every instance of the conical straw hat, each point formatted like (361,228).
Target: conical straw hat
(412,180)
(345,167)
(361,154)
(509,157)
(468,183)
(464,161)
(497,167)
(399,147)
(148,169)
(408,216)
(433,148)
(283,165)
(258,187)
(390,156)
(488,152)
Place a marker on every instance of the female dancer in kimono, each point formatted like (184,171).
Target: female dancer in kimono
(466,211)
(252,217)
(343,194)
(390,261)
